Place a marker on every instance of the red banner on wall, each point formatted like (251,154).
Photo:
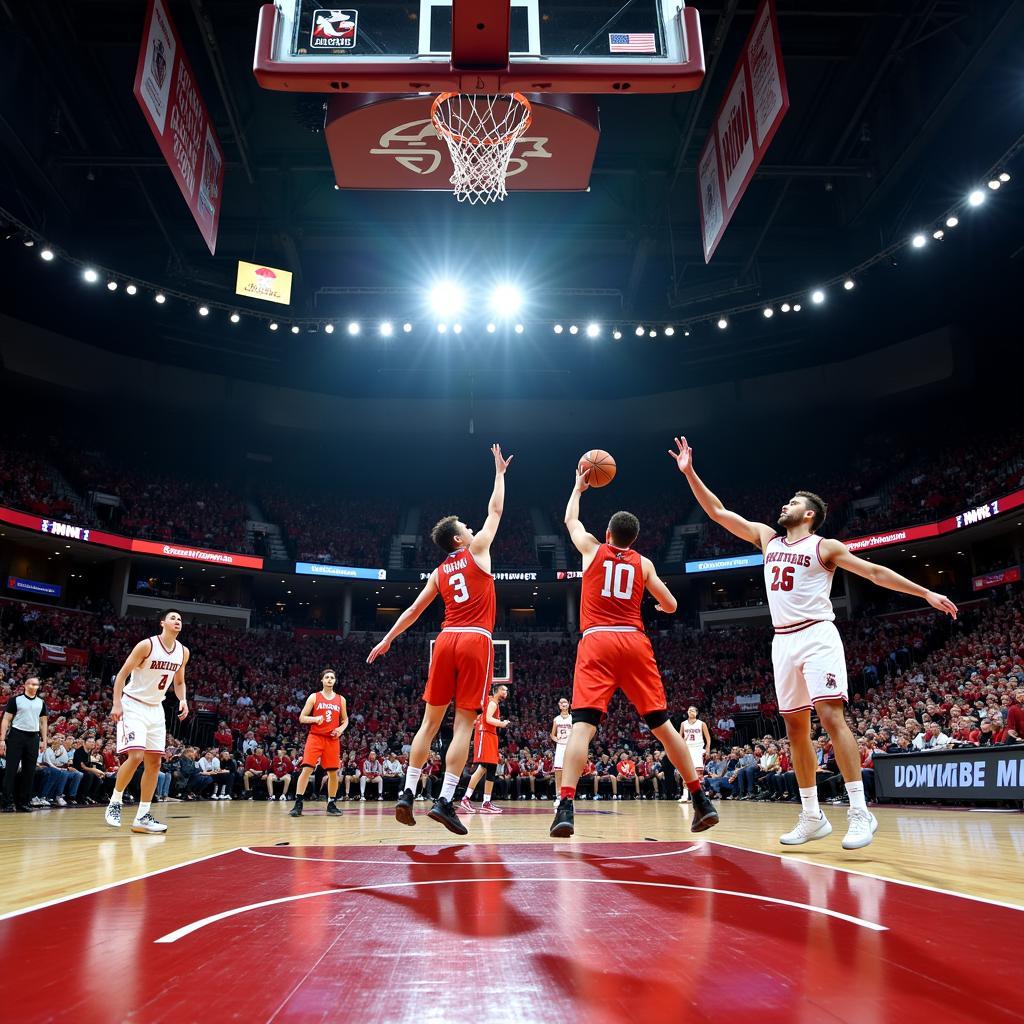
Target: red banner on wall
(755,103)
(57,654)
(996,579)
(166,89)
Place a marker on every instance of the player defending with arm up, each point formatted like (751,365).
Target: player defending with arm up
(462,667)
(807,651)
(614,653)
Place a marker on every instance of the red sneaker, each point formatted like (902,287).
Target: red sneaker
(489,808)
(465,805)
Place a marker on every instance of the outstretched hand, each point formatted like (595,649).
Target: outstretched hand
(500,462)
(684,456)
(381,649)
(941,603)
(581,479)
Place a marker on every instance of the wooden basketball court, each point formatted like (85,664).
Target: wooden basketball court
(243,913)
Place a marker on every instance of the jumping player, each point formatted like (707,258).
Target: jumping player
(138,711)
(327,714)
(462,667)
(807,651)
(485,751)
(561,727)
(698,742)
(614,652)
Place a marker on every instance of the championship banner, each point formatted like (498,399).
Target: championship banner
(166,90)
(959,774)
(56,654)
(996,579)
(755,103)
(267,283)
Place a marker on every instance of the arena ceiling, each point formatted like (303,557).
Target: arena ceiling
(896,109)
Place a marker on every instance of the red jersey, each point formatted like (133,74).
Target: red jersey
(330,708)
(468,592)
(482,725)
(613,588)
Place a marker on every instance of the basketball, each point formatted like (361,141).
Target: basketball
(601,466)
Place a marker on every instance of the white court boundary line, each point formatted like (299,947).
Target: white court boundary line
(867,874)
(571,856)
(113,885)
(195,926)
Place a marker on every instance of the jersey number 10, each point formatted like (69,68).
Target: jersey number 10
(618,579)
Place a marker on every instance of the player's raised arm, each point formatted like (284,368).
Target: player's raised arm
(836,553)
(656,588)
(586,543)
(757,534)
(407,618)
(481,543)
(134,660)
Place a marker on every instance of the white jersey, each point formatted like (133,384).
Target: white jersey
(693,733)
(149,683)
(798,583)
(563,729)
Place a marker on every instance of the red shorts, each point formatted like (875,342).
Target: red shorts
(607,661)
(485,748)
(325,749)
(461,669)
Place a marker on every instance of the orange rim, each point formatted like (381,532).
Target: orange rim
(444,130)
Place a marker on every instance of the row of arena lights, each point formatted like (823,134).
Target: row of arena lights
(448,299)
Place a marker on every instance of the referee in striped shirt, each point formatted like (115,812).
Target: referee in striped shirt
(22,739)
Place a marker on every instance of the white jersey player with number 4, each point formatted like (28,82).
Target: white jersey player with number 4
(807,652)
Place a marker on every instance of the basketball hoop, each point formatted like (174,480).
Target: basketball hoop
(481,132)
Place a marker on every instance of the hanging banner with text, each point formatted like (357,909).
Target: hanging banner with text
(267,283)
(755,103)
(996,579)
(166,89)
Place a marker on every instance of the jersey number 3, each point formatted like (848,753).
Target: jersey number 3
(782,577)
(618,579)
(460,591)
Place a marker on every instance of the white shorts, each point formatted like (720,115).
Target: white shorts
(696,755)
(142,727)
(809,666)
(560,754)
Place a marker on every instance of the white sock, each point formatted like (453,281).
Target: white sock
(855,791)
(809,800)
(142,811)
(412,778)
(362,786)
(451,783)
(117,796)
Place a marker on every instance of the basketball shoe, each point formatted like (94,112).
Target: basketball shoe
(403,809)
(147,823)
(704,814)
(807,829)
(564,823)
(444,812)
(112,816)
(862,828)
(466,805)
(488,808)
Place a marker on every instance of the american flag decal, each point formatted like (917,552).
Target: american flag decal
(631,42)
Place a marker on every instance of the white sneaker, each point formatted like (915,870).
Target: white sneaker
(43,802)
(215,796)
(380,798)
(863,826)
(420,799)
(363,798)
(61,802)
(807,828)
(226,796)
(112,816)
(684,799)
(147,823)
(35,802)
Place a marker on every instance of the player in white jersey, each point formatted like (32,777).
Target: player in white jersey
(807,652)
(138,710)
(561,730)
(698,742)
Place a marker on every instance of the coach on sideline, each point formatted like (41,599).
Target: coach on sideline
(22,740)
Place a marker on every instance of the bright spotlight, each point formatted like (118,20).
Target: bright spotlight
(520,328)
(686,334)
(131,289)
(669,332)
(785,307)
(652,334)
(574,329)
(938,235)
(797,307)
(768,312)
(90,275)
(235,318)
(849,284)
(447,297)
(1004,177)
(273,325)
(640,332)
(952,221)
(491,328)
(994,184)
(593,330)
(442,328)
(407,327)
(817,296)
(295,328)
(46,254)
(617,335)
(558,328)
(919,241)
(386,329)
(457,329)
(111,286)
(204,310)
(506,300)
(353,328)
(328,328)
(976,198)
(722,323)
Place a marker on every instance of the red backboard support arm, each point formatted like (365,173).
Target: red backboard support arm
(480,34)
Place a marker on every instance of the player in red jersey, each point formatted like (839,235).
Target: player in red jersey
(614,653)
(327,713)
(485,751)
(462,668)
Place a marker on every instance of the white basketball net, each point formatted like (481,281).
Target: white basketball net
(481,132)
